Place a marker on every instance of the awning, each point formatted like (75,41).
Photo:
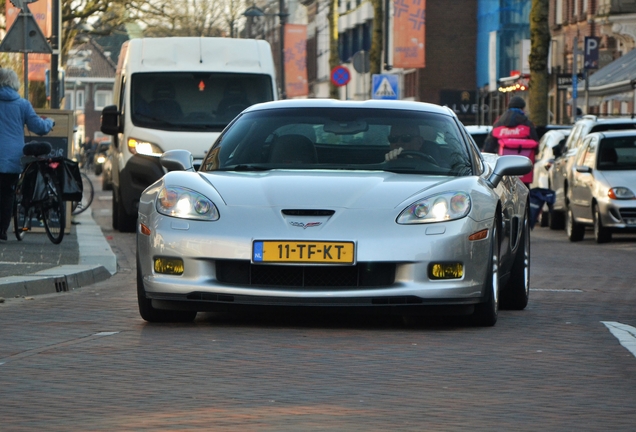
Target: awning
(614,78)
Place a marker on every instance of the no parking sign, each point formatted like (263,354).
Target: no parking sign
(340,76)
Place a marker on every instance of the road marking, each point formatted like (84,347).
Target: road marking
(556,290)
(34,351)
(625,334)
(20,263)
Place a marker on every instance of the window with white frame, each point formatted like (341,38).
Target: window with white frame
(576,8)
(79,99)
(558,13)
(103,98)
(586,5)
(68,100)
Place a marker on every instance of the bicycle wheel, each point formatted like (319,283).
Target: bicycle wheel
(54,212)
(21,217)
(88,194)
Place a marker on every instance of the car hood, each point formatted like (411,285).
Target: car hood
(321,189)
(625,178)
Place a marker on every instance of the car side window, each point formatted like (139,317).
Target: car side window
(588,155)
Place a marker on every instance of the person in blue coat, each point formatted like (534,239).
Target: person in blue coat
(15,113)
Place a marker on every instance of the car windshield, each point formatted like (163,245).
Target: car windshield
(194,101)
(344,139)
(617,154)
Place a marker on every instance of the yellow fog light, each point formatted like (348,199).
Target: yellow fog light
(173,266)
(446,271)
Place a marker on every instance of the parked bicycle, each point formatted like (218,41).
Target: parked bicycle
(88,194)
(44,184)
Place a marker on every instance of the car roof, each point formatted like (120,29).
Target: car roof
(614,134)
(367,104)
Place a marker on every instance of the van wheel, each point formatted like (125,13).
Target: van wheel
(115,210)
(125,221)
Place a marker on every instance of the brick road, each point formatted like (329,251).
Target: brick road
(85,360)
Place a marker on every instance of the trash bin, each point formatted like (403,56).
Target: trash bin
(519,146)
(538,198)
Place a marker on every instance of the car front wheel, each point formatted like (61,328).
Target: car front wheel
(486,313)
(151,314)
(517,291)
(601,234)
(574,230)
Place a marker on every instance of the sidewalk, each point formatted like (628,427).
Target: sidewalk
(37,266)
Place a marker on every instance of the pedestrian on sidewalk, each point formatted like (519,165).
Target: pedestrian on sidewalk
(15,113)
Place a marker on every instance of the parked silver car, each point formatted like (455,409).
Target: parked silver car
(299,203)
(564,163)
(603,186)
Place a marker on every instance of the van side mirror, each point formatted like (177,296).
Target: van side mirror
(110,120)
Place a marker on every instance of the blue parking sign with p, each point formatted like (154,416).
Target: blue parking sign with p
(591,52)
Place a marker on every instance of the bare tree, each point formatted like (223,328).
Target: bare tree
(539,51)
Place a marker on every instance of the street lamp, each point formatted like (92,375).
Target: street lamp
(254,11)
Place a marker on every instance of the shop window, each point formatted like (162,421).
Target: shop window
(68,100)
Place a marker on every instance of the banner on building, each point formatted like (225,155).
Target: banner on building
(296,60)
(409,22)
(41,11)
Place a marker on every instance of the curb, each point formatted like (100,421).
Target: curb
(97,263)
(57,279)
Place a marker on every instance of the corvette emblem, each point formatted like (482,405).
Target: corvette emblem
(305,225)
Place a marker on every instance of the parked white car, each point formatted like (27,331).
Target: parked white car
(545,156)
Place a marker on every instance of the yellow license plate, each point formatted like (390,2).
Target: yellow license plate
(303,252)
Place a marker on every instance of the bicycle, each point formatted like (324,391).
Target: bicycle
(88,194)
(39,200)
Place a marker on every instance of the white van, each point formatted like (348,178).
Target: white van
(177,93)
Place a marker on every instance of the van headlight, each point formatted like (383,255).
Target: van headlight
(136,146)
(185,203)
(436,208)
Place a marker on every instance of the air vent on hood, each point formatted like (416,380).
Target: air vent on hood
(308,212)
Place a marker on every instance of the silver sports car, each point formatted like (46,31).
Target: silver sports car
(383,205)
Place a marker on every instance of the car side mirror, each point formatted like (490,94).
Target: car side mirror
(177,160)
(110,124)
(583,169)
(509,165)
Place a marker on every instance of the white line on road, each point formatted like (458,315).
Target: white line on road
(625,334)
(556,290)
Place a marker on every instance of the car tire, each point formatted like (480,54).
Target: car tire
(150,314)
(115,210)
(125,223)
(106,185)
(98,170)
(556,220)
(517,292)
(574,230)
(486,313)
(601,234)
(544,219)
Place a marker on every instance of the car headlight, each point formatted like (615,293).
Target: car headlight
(186,204)
(136,146)
(101,159)
(621,193)
(436,208)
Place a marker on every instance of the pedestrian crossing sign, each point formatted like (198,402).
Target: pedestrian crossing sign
(385,86)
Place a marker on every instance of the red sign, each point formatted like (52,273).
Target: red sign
(340,76)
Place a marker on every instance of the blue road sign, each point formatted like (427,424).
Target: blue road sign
(340,76)
(385,86)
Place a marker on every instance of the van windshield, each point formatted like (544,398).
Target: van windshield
(194,101)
